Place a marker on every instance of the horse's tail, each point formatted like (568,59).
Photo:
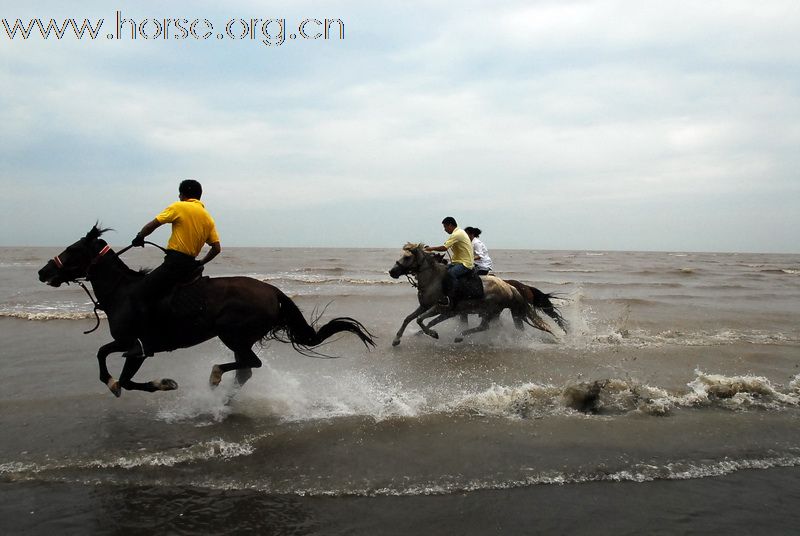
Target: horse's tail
(539,300)
(542,301)
(303,337)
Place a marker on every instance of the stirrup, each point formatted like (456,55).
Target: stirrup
(136,350)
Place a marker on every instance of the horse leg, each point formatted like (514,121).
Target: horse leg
(427,314)
(242,375)
(246,359)
(102,354)
(483,326)
(131,367)
(407,320)
(249,360)
(439,319)
(464,319)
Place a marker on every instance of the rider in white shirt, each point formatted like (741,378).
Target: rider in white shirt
(483,263)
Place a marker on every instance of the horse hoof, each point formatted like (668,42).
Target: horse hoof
(113,386)
(396,342)
(216,376)
(434,334)
(458,339)
(165,384)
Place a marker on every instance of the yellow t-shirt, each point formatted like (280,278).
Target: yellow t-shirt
(460,248)
(192,226)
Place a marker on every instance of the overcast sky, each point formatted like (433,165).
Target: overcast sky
(612,125)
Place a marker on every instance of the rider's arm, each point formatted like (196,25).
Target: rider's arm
(213,252)
(149,227)
(435,248)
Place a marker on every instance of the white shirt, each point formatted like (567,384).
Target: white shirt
(485,262)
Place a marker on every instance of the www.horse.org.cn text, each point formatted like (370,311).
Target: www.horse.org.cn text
(268,31)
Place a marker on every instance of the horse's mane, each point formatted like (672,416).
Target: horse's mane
(411,246)
(141,272)
(96,232)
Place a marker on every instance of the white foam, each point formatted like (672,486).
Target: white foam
(204,450)
(322,279)
(50,315)
(527,400)
(638,473)
(288,392)
(617,396)
(739,392)
(346,394)
(795,383)
(202,405)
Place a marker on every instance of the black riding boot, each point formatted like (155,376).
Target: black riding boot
(137,348)
(176,267)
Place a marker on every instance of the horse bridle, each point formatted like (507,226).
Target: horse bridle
(105,249)
(412,277)
(60,264)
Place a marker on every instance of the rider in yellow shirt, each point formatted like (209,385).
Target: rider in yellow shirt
(461,254)
(192,227)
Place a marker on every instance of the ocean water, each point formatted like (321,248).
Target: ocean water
(672,405)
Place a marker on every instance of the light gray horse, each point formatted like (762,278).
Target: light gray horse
(430,272)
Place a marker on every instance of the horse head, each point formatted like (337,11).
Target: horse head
(412,260)
(75,261)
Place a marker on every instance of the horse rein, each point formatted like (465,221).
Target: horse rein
(123,250)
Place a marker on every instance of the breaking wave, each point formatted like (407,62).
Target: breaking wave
(359,395)
(442,485)
(639,473)
(325,280)
(50,315)
(203,451)
(783,271)
(293,398)
(638,338)
(616,396)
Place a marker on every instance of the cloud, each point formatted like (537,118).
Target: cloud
(497,112)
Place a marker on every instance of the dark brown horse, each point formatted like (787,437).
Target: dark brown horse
(241,311)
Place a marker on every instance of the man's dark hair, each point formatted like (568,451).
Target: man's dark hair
(449,221)
(190,189)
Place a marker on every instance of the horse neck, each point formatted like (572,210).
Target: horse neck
(107,276)
(430,274)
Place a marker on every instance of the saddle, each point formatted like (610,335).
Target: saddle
(187,299)
(191,277)
(468,287)
(182,305)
